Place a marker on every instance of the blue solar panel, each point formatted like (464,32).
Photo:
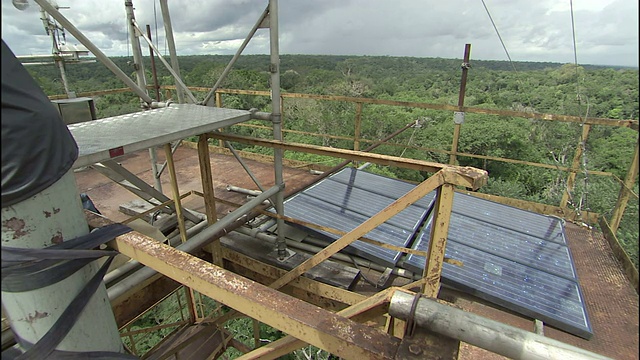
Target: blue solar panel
(513,258)
(347,199)
(512,268)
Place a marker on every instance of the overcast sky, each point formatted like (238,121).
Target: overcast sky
(606,30)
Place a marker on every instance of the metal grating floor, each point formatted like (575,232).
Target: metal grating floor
(107,138)
(513,258)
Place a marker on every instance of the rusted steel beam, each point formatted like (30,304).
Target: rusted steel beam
(575,166)
(383,215)
(288,343)
(461,93)
(176,191)
(309,323)
(621,255)
(464,176)
(207,180)
(633,124)
(623,197)
(589,217)
(438,242)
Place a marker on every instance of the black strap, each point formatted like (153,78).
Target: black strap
(30,269)
(50,265)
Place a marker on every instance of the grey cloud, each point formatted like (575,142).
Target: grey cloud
(532,31)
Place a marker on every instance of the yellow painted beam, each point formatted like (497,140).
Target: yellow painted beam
(465,176)
(438,242)
(324,329)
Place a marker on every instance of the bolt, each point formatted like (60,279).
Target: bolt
(415,349)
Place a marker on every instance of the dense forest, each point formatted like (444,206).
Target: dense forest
(567,89)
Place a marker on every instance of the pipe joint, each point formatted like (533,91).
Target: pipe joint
(276,119)
(259,115)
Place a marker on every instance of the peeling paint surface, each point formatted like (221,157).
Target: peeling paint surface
(37,315)
(18,226)
(57,238)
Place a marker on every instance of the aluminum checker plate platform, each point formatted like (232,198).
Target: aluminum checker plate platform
(107,138)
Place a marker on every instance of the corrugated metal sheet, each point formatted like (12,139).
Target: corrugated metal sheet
(514,258)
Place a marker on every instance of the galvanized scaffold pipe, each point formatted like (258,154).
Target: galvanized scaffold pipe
(276,118)
(479,331)
(222,226)
(171,44)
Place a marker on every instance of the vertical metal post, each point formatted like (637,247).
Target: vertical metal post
(463,87)
(209,196)
(207,180)
(575,166)
(219,105)
(63,76)
(358,127)
(439,232)
(56,214)
(156,86)
(135,47)
(183,231)
(51,30)
(256,334)
(168,30)
(176,191)
(141,80)
(276,118)
(94,49)
(623,197)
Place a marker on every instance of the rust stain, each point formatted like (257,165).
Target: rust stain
(18,227)
(57,238)
(47,214)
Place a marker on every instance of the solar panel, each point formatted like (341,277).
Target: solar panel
(347,199)
(528,270)
(514,258)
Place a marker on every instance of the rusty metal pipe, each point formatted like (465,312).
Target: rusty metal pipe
(479,331)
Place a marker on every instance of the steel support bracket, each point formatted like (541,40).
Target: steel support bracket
(458,117)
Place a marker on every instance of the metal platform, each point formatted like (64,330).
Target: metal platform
(108,138)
